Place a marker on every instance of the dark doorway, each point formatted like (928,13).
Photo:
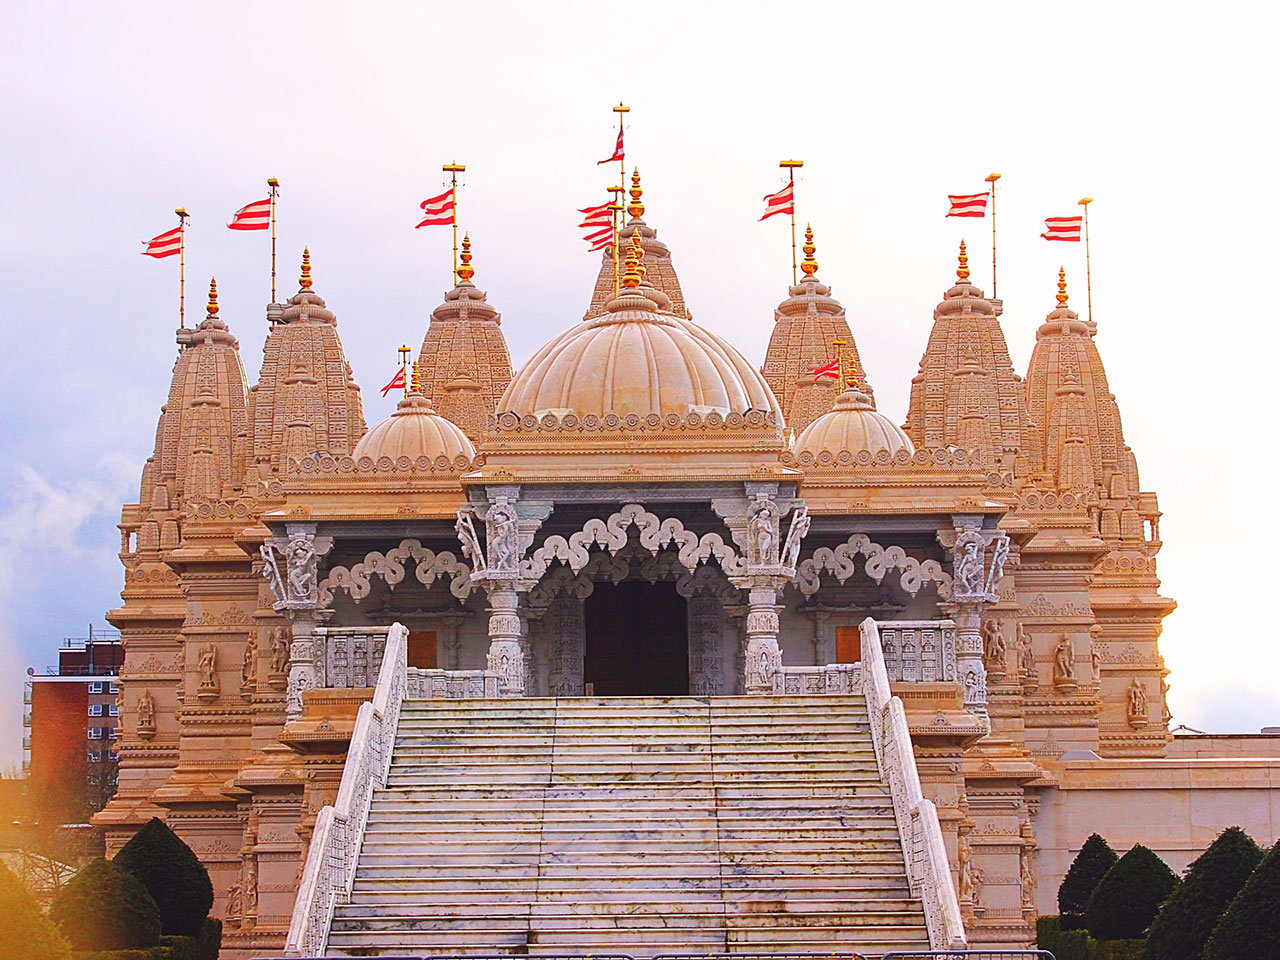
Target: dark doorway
(637,641)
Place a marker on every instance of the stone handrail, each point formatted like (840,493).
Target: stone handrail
(928,869)
(335,843)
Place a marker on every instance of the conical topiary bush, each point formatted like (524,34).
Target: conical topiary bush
(1128,896)
(1094,859)
(1250,926)
(171,872)
(1183,925)
(25,932)
(106,908)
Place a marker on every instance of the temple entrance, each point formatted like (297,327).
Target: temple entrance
(637,641)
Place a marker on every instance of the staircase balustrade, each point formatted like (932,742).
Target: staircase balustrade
(928,869)
(335,843)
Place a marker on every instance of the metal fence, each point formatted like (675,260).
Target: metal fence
(970,955)
(735,955)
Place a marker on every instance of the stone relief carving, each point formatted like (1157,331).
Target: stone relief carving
(429,566)
(502,536)
(969,572)
(841,562)
(1026,657)
(301,582)
(465,527)
(249,667)
(208,667)
(146,715)
(800,522)
(1095,653)
(994,650)
(1064,666)
(1136,707)
(762,526)
(279,651)
(271,572)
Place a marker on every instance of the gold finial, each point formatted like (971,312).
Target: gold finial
(1062,286)
(635,207)
(639,245)
(213,297)
(631,279)
(304,281)
(839,343)
(415,384)
(962,271)
(466,271)
(808,266)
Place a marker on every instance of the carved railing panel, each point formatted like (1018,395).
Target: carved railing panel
(832,678)
(335,844)
(431,684)
(928,869)
(919,651)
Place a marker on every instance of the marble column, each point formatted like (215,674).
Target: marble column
(763,658)
(508,650)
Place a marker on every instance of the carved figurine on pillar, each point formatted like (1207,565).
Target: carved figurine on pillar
(1136,710)
(146,716)
(1095,652)
(279,674)
(1027,661)
(1027,871)
(208,667)
(249,667)
(297,595)
(994,651)
(974,586)
(1064,665)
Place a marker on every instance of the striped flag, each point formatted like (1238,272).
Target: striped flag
(438,211)
(167,244)
(968,204)
(396,381)
(831,370)
(781,202)
(252,216)
(617,151)
(598,222)
(1062,228)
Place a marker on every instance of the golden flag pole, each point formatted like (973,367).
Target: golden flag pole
(1088,275)
(991,179)
(274,185)
(454,169)
(615,211)
(621,111)
(790,166)
(839,344)
(182,265)
(404,366)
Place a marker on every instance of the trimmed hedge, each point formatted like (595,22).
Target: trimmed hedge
(104,906)
(203,947)
(1078,945)
(1128,896)
(1094,859)
(1187,919)
(176,879)
(26,933)
(1250,926)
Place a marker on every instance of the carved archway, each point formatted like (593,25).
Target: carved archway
(842,563)
(428,565)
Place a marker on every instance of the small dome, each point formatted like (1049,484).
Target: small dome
(633,360)
(853,425)
(415,430)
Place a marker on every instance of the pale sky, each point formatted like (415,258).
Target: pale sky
(113,114)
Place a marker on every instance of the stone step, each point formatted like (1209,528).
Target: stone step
(494,888)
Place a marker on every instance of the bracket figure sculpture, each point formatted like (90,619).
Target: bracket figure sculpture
(974,585)
(296,589)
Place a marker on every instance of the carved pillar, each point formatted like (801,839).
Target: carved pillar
(564,626)
(508,653)
(973,586)
(763,658)
(706,620)
(295,586)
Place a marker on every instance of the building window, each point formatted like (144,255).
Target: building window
(95,756)
(95,709)
(95,686)
(112,755)
(95,733)
(113,733)
(113,688)
(113,711)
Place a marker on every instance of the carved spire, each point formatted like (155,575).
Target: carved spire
(962,271)
(304,281)
(808,266)
(466,271)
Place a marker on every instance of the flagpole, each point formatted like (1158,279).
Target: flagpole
(404,366)
(621,111)
(182,265)
(274,184)
(991,179)
(790,167)
(615,209)
(1088,276)
(454,169)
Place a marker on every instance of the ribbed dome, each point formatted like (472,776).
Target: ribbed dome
(414,431)
(633,360)
(853,425)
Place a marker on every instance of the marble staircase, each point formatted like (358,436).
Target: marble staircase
(631,825)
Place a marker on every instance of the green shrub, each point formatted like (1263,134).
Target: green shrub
(210,940)
(171,872)
(106,908)
(1250,926)
(1094,859)
(1128,896)
(25,932)
(1115,949)
(1183,925)
(1063,944)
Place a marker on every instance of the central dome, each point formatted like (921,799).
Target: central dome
(635,361)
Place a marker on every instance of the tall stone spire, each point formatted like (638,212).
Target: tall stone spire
(306,400)
(804,327)
(966,389)
(464,365)
(661,272)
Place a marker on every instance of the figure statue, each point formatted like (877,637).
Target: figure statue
(800,521)
(998,559)
(1095,653)
(249,665)
(969,568)
(466,531)
(502,534)
(1026,654)
(994,647)
(977,881)
(1026,866)
(233,906)
(302,568)
(271,571)
(208,666)
(279,651)
(1064,656)
(146,710)
(966,877)
(762,528)
(1137,709)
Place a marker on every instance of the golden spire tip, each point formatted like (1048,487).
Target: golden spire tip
(466,271)
(1062,286)
(631,279)
(415,384)
(304,281)
(962,271)
(213,297)
(635,207)
(809,266)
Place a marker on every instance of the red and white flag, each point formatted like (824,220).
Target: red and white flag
(252,216)
(1062,228)
(781,202)
(396,381)
(167,244)
(967,204)
(438,211)
(617,151)
(598,222)
(831,370)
